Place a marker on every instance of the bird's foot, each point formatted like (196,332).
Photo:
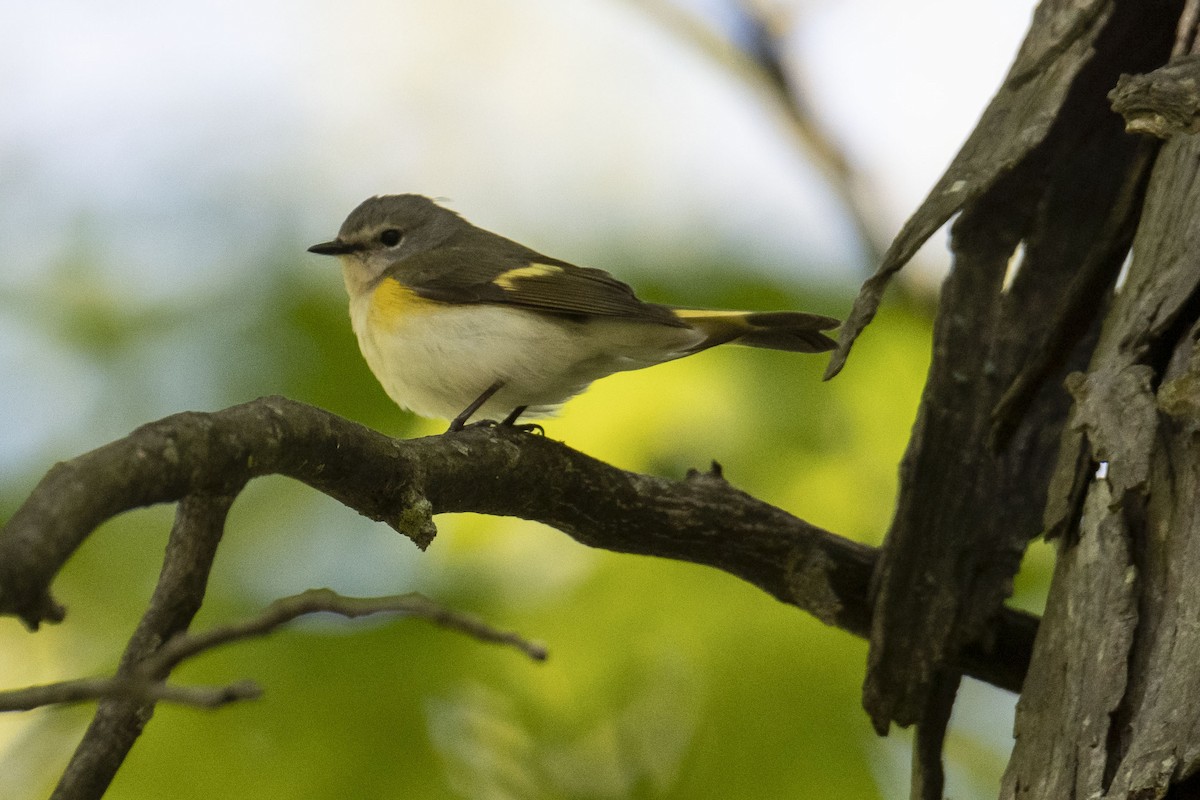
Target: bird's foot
(525,427)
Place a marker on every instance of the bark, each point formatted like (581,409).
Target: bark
(1048,180)
(1112,705)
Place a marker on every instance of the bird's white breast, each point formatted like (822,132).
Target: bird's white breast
(436,358)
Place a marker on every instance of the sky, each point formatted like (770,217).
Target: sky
(204,131)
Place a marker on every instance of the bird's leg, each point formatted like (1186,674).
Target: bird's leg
(458,422)
(511,419)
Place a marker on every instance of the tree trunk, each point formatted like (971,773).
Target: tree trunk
(1110,707)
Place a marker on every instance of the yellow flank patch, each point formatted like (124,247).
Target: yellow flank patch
(507,280)
(693,313)
(391,301)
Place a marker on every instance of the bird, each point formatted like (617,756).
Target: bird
(457,322)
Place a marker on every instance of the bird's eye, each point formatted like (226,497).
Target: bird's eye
(390,238)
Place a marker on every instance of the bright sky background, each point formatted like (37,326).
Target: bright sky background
(190,136)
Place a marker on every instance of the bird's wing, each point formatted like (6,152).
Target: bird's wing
(517,276)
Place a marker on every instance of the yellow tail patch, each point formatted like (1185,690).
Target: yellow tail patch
(692,313)
(775,330)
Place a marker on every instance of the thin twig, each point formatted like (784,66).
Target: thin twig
(315,601)
(763,62)
(142,687)
(138,690)
(1185,33)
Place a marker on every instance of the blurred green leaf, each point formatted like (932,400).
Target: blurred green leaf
(665,679)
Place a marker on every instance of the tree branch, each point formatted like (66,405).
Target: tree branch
(701,519)
(191,547)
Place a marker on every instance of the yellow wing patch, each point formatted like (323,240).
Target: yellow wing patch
(392,302)
(507,280)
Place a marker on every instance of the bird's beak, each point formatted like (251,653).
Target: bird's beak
(334,248)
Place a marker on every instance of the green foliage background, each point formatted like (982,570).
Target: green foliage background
(665,680)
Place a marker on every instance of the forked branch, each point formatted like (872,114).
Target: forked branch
(702,519)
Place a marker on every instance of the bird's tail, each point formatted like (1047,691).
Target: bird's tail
(794,331)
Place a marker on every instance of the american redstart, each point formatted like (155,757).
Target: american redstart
(456,321)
